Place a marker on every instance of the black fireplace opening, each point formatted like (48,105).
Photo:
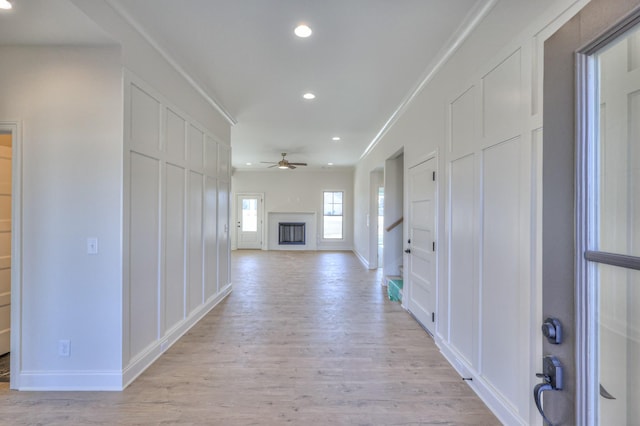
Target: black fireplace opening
(291,233)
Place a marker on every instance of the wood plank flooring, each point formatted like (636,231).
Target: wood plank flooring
(306,338)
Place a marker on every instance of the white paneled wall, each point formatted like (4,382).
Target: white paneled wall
(176,224)
(490,196)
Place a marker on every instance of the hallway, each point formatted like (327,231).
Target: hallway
(304,338)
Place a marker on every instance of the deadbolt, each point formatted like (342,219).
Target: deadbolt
(552,330)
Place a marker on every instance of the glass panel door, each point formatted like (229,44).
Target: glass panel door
(613,248)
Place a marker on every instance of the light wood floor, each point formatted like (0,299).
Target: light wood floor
(304,339)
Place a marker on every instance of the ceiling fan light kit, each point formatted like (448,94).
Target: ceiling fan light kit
(283,164)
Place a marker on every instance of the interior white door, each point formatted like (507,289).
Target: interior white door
(5,245)
(249,221)
(421,248)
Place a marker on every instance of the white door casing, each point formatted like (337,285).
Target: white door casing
(5,247)
(421,258)
(249,211)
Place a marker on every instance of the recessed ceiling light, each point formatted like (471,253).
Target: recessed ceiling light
(5,4)
(302,31)
(309,96)
(335,138)
(329,164)
(248,164)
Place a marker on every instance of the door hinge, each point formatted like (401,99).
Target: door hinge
(434,246)
(433,317)
(434,176)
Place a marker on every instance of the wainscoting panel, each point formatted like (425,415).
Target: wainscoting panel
(210,237)
(195,241)
(144,241)
(175,144)
(224,243)
(144,121)
(463,122)
(502,100)
(501,266)
(196,148)
(176,224)
(175,247)
(463,276)
(210,157)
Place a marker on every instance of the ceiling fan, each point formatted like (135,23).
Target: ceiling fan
(284,163)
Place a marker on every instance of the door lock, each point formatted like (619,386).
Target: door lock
(553,381)
(552,330)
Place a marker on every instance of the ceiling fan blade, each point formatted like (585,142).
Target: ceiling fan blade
(271,167)
(299,164)
(269,162)
(291,166)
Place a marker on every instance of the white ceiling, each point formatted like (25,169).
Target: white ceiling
(364,59)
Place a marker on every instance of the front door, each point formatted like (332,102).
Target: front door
(591,213)
(5,242)
(611,249)
(421,244)
(249,221)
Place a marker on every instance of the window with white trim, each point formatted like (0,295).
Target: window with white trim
(332,216)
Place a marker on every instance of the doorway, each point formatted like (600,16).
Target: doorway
(10,278)
(249,211)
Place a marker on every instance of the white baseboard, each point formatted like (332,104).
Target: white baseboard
(498,405)
(90,380)
(364,261)
(147,357)
(113,380)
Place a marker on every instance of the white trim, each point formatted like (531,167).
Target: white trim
(15,128)
(361,258)
(145,359)
(167,57)
(474,18)
(585,298)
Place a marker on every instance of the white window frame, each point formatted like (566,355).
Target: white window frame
(323,238)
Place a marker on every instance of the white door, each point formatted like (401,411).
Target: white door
(249,221)
(421,245)
(5,242)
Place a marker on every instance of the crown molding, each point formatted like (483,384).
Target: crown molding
(471,21)
(117,7)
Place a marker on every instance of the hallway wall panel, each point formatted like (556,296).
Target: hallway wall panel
(172,224)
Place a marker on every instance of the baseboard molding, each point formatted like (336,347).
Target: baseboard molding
(360,257)
(498,405)
(91,380)
(115,380)
(147,357)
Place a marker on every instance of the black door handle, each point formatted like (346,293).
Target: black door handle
(407,251)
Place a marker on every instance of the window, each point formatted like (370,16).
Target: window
(332,216)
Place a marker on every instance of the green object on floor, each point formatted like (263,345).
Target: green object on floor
(394,290)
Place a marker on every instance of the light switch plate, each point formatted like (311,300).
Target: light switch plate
(92,246)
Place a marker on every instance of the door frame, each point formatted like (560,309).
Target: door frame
(15,128)
(238,211)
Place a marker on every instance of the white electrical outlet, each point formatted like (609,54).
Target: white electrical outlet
(64,347)
(92,246)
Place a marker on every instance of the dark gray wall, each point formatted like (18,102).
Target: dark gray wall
(558,253)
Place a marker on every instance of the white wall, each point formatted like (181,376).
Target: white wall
(100,162)
(481,112)
(299,191)
(68,101)
(176,248)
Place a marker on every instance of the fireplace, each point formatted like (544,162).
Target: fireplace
(291,233)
